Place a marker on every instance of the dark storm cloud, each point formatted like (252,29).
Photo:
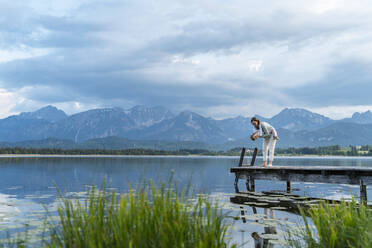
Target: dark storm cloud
(70,80)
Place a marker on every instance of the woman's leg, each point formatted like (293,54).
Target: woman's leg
(265,150)
(272,149)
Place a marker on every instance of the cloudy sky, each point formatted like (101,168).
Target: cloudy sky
(218,58)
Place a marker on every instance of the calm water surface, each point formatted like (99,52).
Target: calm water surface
(28,185)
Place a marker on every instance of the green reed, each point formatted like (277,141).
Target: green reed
(152,217)
(343,225)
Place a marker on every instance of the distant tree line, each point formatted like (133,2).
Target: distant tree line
(136,151)
(325,150)
(335,150)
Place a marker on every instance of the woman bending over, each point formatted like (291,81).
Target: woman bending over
(268,133)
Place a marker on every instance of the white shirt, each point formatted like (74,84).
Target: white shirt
(266,130)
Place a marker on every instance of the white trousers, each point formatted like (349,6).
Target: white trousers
(268,144)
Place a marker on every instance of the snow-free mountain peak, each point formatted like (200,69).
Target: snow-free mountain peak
(147,116)
(299,119)
(299,113)
(186,126)
(50,113)
(362,118)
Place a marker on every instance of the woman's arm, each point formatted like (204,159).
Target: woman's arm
(257,132)
(254,136)
(275,134)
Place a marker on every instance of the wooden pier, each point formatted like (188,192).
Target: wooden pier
(315,174)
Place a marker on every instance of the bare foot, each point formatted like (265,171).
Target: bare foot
(270,164)
(263,165)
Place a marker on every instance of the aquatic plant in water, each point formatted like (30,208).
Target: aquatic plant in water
(153,217)
(343,225)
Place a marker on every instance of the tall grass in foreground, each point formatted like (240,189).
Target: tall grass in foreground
(343,225)
(157,217)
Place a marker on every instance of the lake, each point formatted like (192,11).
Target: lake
(28,185)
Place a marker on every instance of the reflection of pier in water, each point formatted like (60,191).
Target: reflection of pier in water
(279,201)
(263,206)
(263,214)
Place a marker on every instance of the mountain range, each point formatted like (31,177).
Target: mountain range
(140,126)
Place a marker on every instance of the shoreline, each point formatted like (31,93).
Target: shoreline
(171,155)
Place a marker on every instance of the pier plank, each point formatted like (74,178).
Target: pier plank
(316,174)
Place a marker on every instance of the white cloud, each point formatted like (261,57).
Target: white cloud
(179,59)
(8,100)
(340,112)
(255,65)
(21,53)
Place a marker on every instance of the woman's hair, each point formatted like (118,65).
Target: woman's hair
(255,234)
(256,119)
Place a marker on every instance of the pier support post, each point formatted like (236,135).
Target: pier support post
(242,157)
(254,156)
(242,214)
(236,183)
(240,165)
(252,185)
(288,186)
(363,192)
(247,184)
